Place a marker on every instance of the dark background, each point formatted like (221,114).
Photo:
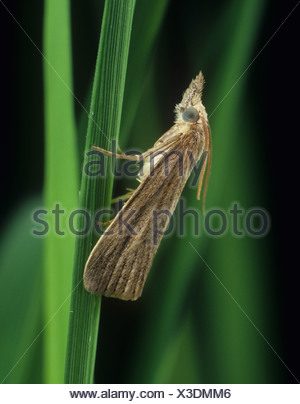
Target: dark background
(276,70)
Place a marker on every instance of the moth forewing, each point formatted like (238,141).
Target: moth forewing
(120,261)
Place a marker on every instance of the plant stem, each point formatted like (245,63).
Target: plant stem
(103,126)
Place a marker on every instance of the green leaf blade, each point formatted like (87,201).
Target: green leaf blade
(103,127)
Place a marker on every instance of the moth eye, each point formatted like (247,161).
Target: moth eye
(190,115)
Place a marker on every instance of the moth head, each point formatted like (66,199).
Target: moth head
(189,108)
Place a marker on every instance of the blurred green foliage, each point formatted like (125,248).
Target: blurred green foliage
(61,181)
(21,298)
(190,324)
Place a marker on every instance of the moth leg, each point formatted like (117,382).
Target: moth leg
(120,151)
(103,224)
(139,157)
(135,157)
(124,197)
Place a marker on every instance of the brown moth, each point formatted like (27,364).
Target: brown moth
(120,261)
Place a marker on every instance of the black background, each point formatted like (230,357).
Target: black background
(277,65)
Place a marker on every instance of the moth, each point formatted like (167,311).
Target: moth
(120,261)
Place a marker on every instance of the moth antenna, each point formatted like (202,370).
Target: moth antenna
(205,168)
(202,174)
(206,178)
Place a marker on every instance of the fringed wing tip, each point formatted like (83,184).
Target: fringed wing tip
(92,287)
